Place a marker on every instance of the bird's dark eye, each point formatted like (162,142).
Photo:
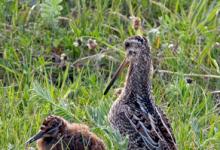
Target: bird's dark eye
(141,40)
(127,44)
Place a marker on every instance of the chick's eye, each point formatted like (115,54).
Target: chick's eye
(54,124)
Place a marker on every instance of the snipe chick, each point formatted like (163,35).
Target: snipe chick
(58,134)
(134,113)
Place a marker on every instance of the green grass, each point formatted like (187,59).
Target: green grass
(32,87)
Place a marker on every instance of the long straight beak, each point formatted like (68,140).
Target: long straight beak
(118,71)
(35,137)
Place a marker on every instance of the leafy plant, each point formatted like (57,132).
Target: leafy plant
(185,40)
(44,96)
(50,11)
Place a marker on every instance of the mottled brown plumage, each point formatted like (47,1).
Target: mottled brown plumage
(58,134)
(134,113)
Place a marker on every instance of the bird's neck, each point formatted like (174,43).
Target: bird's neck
(138,78)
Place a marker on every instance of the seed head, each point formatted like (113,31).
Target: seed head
(91,44)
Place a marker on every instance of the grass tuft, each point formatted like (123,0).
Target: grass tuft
(35,81)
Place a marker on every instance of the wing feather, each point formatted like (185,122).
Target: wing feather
(145,130)
(159,121)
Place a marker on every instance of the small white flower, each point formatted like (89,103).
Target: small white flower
(170,46)
(63,56)
(76,44)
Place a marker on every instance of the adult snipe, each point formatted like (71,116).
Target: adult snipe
(134,113)
(58,134)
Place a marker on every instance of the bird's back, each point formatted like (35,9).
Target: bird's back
(76,137)
(147,128)
(150,131)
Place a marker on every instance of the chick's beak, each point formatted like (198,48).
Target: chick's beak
(35,137)
(118,71)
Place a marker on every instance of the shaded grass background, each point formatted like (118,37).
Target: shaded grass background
(184,37)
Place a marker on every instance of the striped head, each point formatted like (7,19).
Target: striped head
(136,47)
(137,52)
(52,127)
